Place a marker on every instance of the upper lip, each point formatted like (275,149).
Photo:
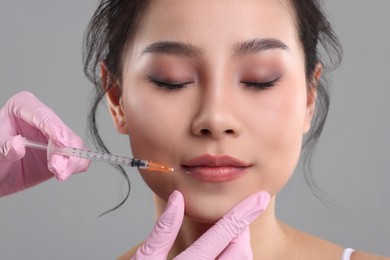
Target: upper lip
(208,160)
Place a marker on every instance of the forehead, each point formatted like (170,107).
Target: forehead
(217,19)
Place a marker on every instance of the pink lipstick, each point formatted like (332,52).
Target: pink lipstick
(211,168)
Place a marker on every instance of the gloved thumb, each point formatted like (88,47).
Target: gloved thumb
(215,240)
(160,241)
(12,149)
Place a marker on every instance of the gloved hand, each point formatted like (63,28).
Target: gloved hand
(229,238)
(24,115)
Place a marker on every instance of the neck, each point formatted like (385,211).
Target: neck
(268,235)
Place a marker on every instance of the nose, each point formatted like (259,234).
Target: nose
(216,117)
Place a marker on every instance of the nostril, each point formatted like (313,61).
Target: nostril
(229,132)
(205,131)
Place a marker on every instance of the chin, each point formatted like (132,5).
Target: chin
(207,202)
(210,207)
(205,214)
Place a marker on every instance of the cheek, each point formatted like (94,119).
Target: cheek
(153,130)
(279,135)
(148,124)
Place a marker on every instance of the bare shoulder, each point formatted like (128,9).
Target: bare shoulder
(359,255)
(129,254)
(307,246)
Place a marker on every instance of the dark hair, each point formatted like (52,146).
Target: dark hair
(320,45)
(115,22)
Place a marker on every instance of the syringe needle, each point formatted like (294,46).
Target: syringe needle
(90,155)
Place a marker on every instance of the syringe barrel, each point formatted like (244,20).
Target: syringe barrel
(96,156)
(51,148)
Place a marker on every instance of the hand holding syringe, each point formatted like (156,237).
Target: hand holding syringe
(96,156)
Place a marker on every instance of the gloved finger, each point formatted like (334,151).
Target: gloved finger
(12,149)
(239,248)
(218,237)
(64,166)
(31,110)
(160,241)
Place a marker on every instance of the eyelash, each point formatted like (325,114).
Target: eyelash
(176,86)
(167,85)
(261,85)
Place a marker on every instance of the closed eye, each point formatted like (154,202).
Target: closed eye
(169,85)
(261,85)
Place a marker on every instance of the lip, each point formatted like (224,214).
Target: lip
(211,168)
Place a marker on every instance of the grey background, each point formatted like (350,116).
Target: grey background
(40,47)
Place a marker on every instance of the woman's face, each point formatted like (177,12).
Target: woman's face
(217,90)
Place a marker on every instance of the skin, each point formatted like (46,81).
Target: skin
(216,113)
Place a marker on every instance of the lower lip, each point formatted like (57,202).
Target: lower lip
(216,174)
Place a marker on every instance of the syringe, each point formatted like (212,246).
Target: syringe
(96,156)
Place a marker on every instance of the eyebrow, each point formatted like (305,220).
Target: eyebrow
(240,49)
(175,48)
(258,45)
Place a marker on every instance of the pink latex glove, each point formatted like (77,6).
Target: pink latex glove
(229,238)
(24,115)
